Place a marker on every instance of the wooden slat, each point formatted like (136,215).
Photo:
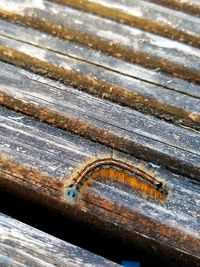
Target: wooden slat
(39,158)
(149,98)
(109,36)
(100,120)
(78,51)
(188,6)
(22,245)
(89,53)
(144,15)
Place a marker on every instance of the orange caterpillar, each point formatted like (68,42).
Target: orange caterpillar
(120,171)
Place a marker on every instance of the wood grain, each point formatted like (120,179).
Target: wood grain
(146,16)
(100,120)
(162,102)
(171,226)
(22,245)
(97,58)
(88,86)
(188,6)
(120,40)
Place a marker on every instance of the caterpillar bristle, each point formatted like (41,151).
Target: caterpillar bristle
(136,176)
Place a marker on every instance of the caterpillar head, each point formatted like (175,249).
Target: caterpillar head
(71,193)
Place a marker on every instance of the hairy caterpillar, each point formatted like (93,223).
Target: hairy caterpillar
(110,168)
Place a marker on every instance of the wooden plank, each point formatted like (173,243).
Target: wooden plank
(78,51)
(171,227)
(123,41)
(22,245)
(37,160)
(100,120)
(188,6)
(144,15)
(170,105)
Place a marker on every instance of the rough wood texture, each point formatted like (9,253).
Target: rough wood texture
(100,120)
(22,245)
(106,35)
(97,58)
(171,226)
(149,98)
(188,6)
(86,53)
(144,15)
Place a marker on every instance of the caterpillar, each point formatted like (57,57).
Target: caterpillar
(110,168)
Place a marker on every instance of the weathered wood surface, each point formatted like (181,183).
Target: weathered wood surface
(144,15)
(188,6)
(22,245)
(97,58)
(38,159)
(143,96)
(123,41)
(87,52)
(113,125)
